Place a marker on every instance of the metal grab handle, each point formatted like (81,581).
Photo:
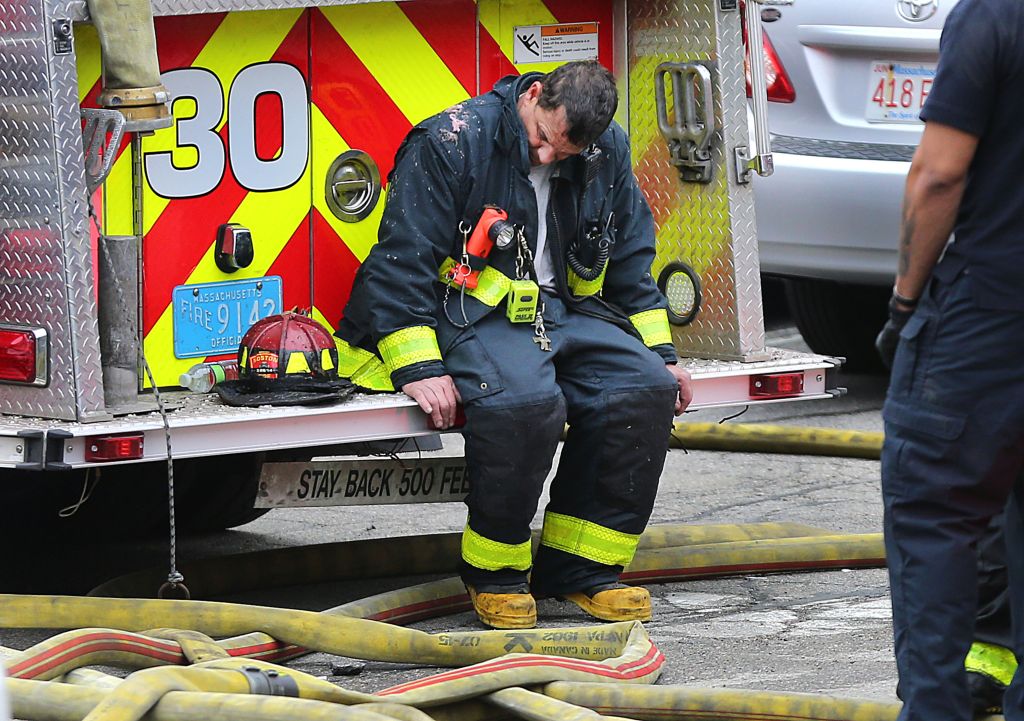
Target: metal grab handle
(757,158)
(99,151)
(691,128)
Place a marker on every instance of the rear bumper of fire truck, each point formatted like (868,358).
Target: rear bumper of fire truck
(200,425)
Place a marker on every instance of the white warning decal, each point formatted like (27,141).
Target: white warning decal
(362,482)
(554,43)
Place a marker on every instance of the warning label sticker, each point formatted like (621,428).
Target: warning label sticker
(554,43)
(362,482)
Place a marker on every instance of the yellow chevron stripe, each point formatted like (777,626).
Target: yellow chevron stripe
(401,60)
(499,18)
(328,145)
(87,59)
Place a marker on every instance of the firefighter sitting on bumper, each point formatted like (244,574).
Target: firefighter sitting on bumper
(530,184)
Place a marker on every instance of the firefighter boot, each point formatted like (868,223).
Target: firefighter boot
(504,606)
(989,670)
(614,602)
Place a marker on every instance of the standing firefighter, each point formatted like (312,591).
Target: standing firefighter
(529,185)
(954,416)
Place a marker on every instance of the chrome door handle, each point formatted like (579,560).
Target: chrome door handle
(690,127)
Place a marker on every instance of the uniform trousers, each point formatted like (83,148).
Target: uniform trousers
(953,452)
(617,398)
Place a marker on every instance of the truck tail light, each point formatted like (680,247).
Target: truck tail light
(780,87)
(102,449)
(776,385)
(23,355)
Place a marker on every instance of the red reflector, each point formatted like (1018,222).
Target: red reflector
(18,356)
(99,449)
(776,385)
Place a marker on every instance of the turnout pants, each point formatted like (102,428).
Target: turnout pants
(954,449)
(617,398)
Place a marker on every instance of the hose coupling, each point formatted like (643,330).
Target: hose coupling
(144,109)
(269,682)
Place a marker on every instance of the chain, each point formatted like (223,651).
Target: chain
(523,257)
(461,270)
(174,576)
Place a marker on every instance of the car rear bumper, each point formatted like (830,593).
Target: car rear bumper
(832,210)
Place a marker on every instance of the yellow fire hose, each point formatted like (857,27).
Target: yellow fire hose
(757,438)
(384,558)
(131,70)
(490,687)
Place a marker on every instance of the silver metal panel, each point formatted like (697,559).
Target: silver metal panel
(32,264)
(201,425)
(709,226)
(12,451)
(80,13)
(81,285)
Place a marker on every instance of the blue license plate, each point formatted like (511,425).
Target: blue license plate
(211,318)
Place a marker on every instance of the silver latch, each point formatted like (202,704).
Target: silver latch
(689,125)
(758,157)
(353,186)
(100,150)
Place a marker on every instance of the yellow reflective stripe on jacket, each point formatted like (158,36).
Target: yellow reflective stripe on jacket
(653,326)
(493,555)
(492,285)
(362,367)
(407,346)
(588,539)
(581,287)
(988,659)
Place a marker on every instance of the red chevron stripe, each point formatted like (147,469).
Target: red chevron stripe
(334,269)
(493,63)
(449,26)
(182,233)
(351,98)
(293,264)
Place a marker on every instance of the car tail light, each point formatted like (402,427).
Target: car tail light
(776,385)
(780,87)
(102,449)
(23,355)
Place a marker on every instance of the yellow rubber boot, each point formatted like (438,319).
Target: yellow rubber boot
(504,610)
(614,602)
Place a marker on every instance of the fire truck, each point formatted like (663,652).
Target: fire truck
(247,176)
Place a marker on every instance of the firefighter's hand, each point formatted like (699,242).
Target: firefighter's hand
(889,337)
(682,377)
(438,397)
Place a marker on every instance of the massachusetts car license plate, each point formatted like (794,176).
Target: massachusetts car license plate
(897,90)
(211,318)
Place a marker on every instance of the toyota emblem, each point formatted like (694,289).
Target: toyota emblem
(916,11)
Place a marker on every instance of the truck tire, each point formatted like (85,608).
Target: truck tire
(840,319)
(130,501)
(217,493)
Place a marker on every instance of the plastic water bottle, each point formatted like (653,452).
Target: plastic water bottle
(202,377)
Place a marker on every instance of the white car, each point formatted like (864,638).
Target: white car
(846,84)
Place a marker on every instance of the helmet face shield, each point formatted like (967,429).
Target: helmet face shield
(286,359)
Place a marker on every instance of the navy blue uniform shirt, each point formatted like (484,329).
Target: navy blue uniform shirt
(979,89)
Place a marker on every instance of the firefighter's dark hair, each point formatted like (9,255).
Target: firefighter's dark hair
(586,89)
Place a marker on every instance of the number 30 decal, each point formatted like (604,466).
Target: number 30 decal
(200,131)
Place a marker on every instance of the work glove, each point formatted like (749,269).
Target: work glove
(889,337)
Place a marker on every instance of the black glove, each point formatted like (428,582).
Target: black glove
(889,337)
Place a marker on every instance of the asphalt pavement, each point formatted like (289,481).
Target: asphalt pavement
(825,632)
